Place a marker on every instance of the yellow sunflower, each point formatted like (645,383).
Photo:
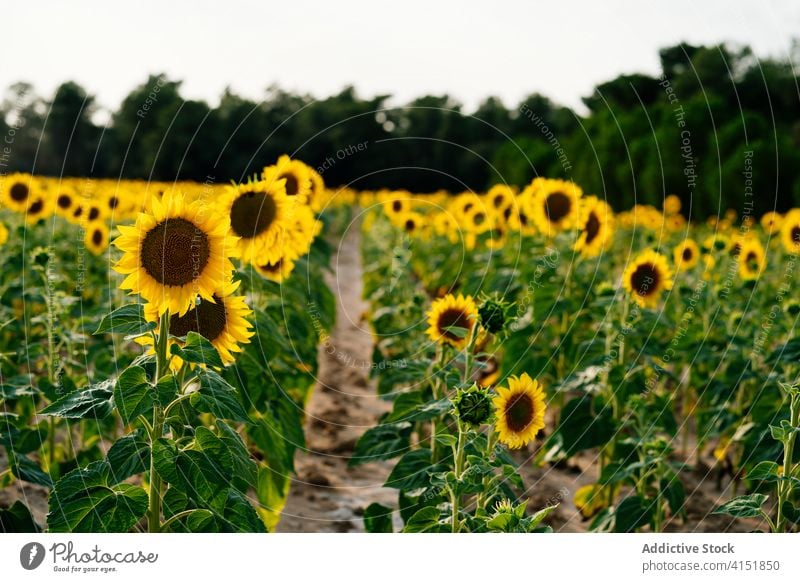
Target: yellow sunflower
(40,207)
(316,190)
(222,321)
(646,277)
(672,204)
(277,271)
(95,237)
(296,177)
(519,411)
(451,320)
(752,259)
(397,204)
(790,231)
(771,222)
(176,252)
(596,226)
(17,191)
(3,234)
(686,255)
(500,197)
(554,206)
(257,212)
(65,201)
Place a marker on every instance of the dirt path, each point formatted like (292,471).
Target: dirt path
(327,495)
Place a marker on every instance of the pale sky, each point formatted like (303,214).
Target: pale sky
(470,50)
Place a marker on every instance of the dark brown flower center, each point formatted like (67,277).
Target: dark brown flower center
(752,260)
(64,201)
(645,279)
(397,206)
(97,237)
(795,235)
(252,213)
(687,254)
(272,267)
(519,412)
(19,192)
(410,225)
(478,218)
(36,207)
(208,319)
(451,318)
(94,213)
(592,227)
(498,200)
(175,252)
(113,202)
(557,205)
(292,186)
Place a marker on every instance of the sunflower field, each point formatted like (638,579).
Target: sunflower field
(161,345)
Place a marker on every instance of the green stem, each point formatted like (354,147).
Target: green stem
(458,464)
(176,517)
(785,485)
(162,368)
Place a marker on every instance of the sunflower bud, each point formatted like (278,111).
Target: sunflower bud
(494,314)
(474,406)
(793,308)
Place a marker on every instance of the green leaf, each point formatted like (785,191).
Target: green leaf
(766,471)
(744,506)
(426,519)
(540,515)
(586,423)
(382,442)
(128,319)
(17,519)
(410,407)
(26,469)
(197,350)
(133,394)
(632,513)
(412,471)
(95,402)
(218,397)
(85,501)
(129,456)
(378,518)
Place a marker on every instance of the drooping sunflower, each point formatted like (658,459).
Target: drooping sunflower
(790,231)
(296,177)
(17,191)
(686,255)
(596,226)
(222,321)
(554,206)
(752,259)
(95,237)
(646,277)
(257,212)
(451,320)
(519,411)
(176,252)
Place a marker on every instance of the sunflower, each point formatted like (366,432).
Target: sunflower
(65,202)
(554,206)
(478,219)
(752,259)
(410,222)
(3,234)
(176,252)
(40,207)
(397,204)
(519,411)
(771,222)
(277,271)
(95,237)
(296,177)
(257,211)
(647,277)
(16,191)
(596,225)
(500,197)
(221,320)
(316,190)
(790,231)
(717,243)
(452,319)
(686,255)
(672,204)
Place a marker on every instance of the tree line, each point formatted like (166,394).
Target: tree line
(718,127)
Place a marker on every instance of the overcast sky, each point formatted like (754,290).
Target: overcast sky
(470,50)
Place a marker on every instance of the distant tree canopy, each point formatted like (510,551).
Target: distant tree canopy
(712,115)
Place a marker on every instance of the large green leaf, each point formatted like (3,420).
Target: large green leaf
(87,501)
(17,519)
(129,456)
(378,518)
(382,442)
(128,319)
(96,402)
(197,350)
(218,397)
(744,506)
(133,394)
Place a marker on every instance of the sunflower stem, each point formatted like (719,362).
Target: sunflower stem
(162,368)
(458,465)
(785,485)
